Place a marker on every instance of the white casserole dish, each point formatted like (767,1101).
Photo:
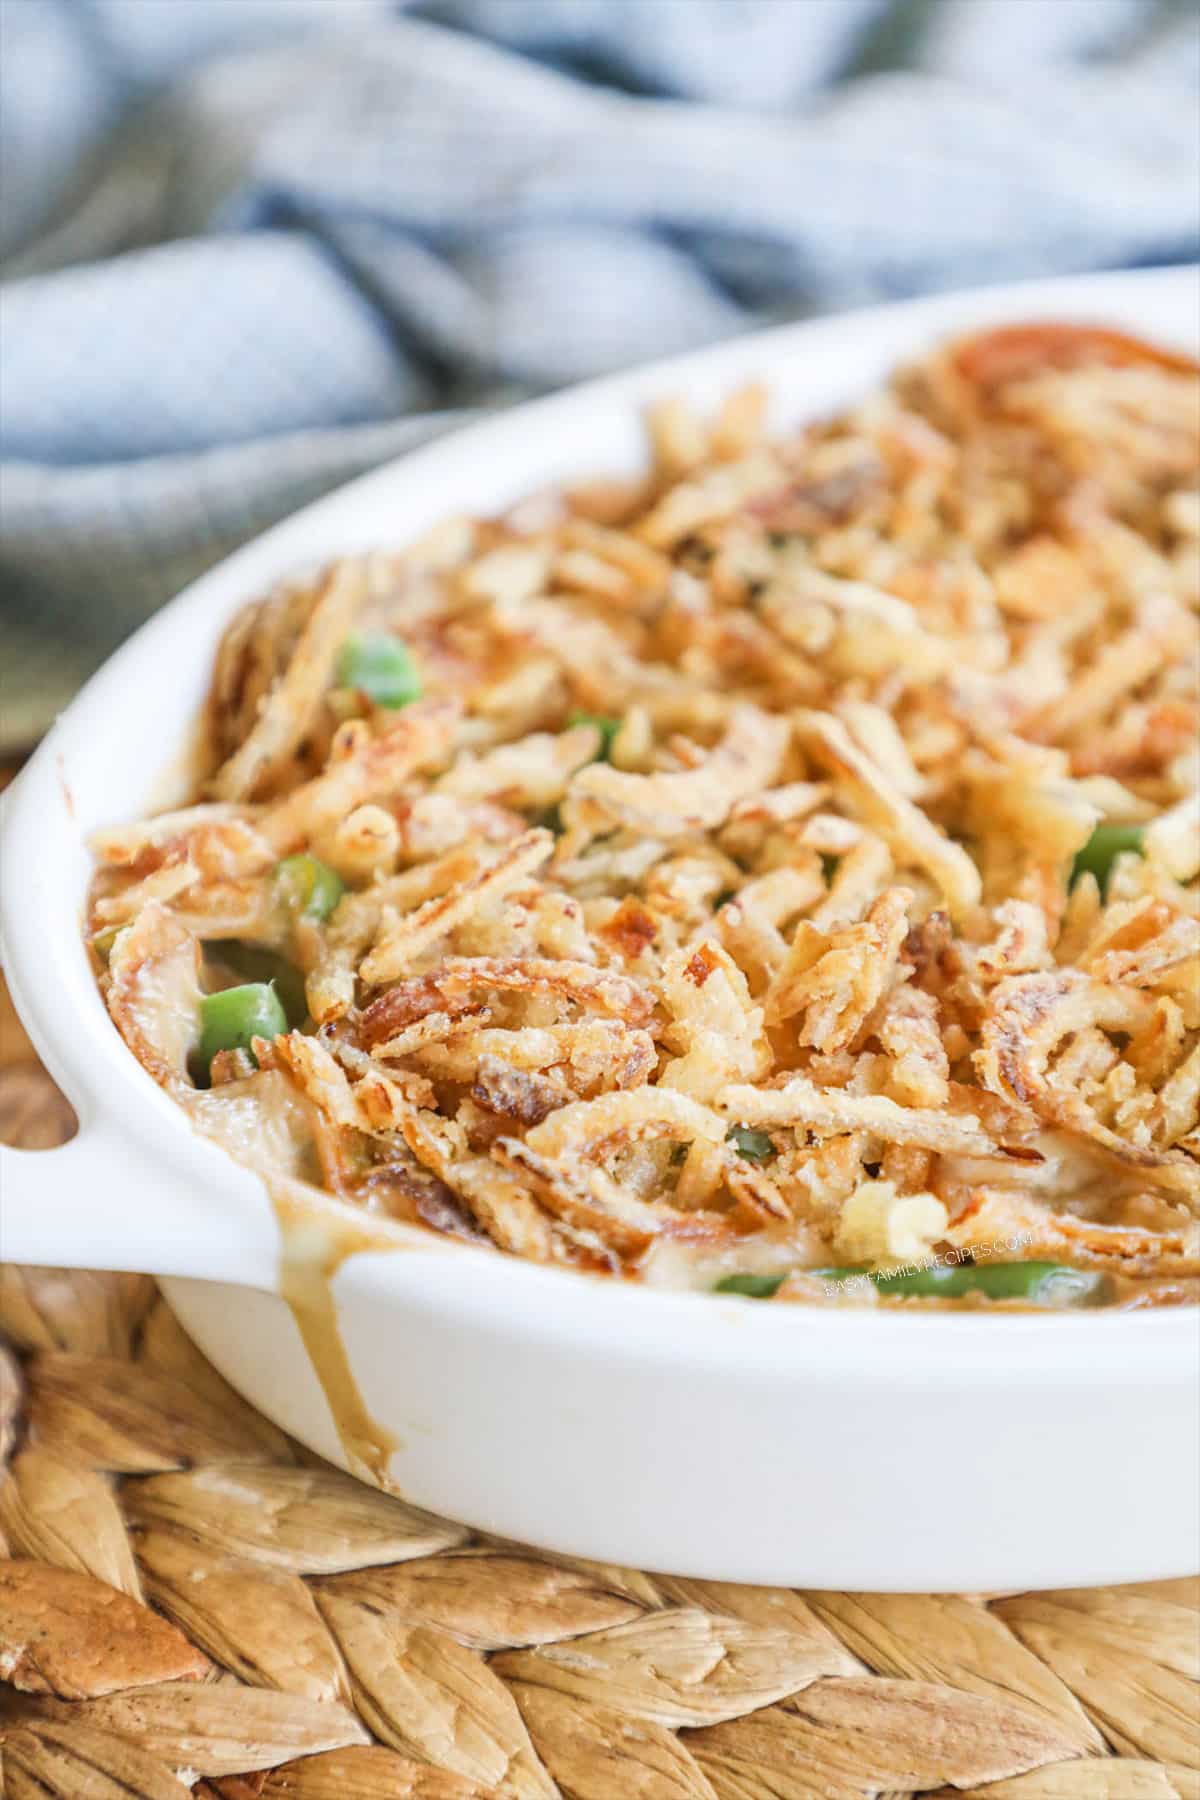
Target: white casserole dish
(682,1432)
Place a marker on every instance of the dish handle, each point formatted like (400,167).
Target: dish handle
(96,1202)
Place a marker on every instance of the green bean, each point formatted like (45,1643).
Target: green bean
(755,1287)
(755,1146)
(105,940)
(1039,1283)
(229,1019)
(309,887)
(606,726)
(1106,843)
(255,962)
(379,666)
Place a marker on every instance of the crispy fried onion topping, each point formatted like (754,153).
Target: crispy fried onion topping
(1033,1017)
(154,992)
(786,857)
(747,758)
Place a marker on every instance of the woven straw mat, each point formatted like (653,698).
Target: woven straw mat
(191,1600)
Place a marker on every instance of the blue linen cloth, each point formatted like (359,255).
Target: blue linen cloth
(249,249)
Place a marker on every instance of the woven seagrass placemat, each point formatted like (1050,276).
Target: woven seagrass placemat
(191,1599)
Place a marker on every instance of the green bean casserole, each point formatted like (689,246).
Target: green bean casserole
(774,875)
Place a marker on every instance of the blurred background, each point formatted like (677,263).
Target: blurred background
(251,247)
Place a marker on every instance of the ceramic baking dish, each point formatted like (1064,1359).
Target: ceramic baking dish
(684,1432)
